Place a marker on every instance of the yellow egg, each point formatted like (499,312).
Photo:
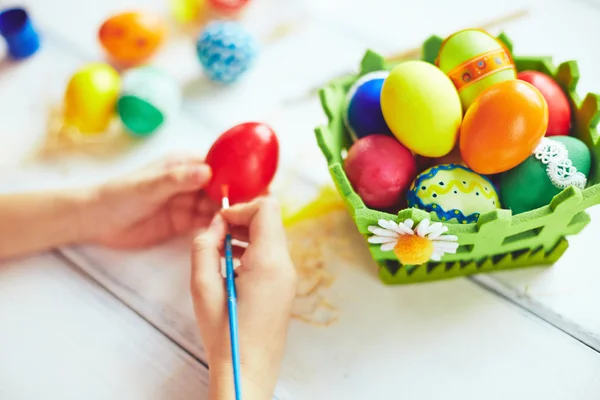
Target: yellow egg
(91,97)
(422,108)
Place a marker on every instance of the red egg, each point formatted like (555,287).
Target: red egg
(229,6)
(245,159)
(559,109)
(380,170)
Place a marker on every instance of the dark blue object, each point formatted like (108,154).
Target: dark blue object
(364,116)
(19,33)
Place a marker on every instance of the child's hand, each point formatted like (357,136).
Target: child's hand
(149,206)
(266,285)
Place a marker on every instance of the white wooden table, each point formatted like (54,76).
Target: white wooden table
(98,324)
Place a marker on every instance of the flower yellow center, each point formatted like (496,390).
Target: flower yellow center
(413,249)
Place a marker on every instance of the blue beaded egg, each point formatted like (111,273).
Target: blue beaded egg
(226,51)
(363,114)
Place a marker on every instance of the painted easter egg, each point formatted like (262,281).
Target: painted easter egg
(503,126)
(363,114)
(422,108)
(91,97)
(474,61)
(148,98)
(132,37)
(186,11)
(556,163)
(559,108)
(452,191)
(380,170)
(226,51)
(245,159)
(228,6)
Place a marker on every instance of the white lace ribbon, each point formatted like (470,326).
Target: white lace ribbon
(559,167)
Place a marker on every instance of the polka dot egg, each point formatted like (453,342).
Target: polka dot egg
(226,51)
(453,192)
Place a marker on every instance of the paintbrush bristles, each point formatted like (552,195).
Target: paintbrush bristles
(225,197)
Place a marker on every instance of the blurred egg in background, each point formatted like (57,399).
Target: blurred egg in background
(132,38)
(148,98)
(226,51)
(90,98)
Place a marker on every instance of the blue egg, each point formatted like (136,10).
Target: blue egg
(226,51)
(363,111)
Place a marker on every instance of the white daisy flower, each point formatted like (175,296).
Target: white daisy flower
(414,246)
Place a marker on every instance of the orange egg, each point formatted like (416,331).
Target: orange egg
(503,126)
(132,37)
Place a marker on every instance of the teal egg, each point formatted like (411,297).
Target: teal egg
(453,192)
(528,186)
(149,97)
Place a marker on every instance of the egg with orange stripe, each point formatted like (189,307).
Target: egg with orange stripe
(474,61)
(454,193)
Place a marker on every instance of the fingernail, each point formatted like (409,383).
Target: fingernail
(200,174)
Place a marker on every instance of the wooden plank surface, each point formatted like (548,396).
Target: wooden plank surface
(63,337)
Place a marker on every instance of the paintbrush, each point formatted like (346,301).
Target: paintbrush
(232,303)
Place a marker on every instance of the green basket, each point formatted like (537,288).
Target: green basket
(498,240)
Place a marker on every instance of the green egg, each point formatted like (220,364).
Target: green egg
(149,97)
(528,186)
(478,47)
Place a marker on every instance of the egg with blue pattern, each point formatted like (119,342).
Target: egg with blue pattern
(363,114)
(226,51)
(453,192)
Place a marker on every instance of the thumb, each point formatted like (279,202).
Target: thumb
(207,284)
(171,180)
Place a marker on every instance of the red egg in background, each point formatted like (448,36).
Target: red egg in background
(245,159)
(559,108)
(229,6)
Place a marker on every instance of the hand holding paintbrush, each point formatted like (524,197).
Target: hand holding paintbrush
(266,286)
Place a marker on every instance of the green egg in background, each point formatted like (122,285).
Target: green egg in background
(474,61)
(149,96)
(528,186)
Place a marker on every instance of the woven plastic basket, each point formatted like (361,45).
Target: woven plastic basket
(498,240)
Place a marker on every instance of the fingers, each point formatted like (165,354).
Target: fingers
(262,217)
(171,178)
(207,282)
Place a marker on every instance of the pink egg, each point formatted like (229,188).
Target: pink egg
(380,170)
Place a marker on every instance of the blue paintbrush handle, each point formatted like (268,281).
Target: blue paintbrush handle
(233,326)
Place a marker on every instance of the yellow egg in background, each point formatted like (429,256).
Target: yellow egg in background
(474,60)
(422,108)
(186,11)
(90,98)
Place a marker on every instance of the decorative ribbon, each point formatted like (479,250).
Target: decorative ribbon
(559,167)
(479,67)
